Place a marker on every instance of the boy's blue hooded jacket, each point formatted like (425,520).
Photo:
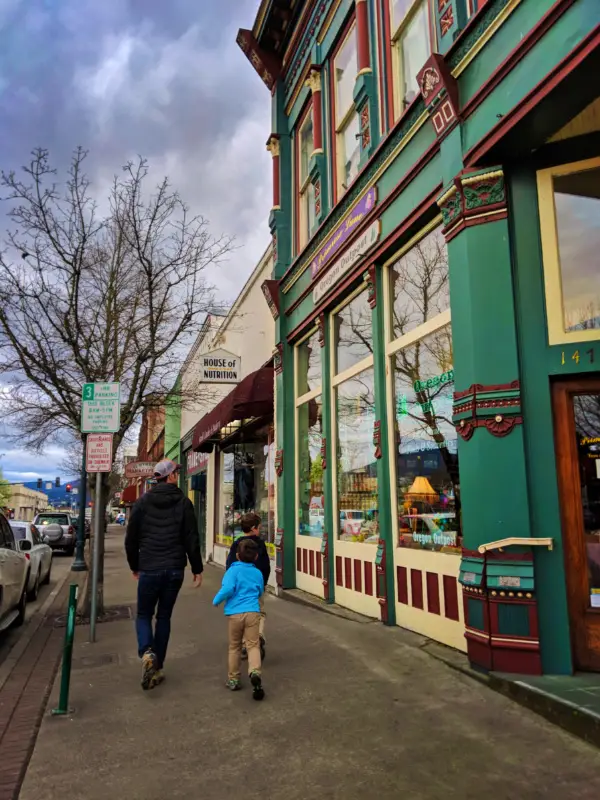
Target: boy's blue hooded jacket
(242,585)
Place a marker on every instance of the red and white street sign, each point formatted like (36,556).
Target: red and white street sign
(99,452)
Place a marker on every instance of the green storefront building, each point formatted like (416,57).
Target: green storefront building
(436,225)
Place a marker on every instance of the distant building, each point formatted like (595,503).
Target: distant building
(25,503)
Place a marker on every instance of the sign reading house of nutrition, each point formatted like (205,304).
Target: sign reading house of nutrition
(220,367)
(344,230)
(101,407)
(343,265)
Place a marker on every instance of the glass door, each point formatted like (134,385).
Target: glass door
(577,428)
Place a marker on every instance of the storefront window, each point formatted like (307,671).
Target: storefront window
(353,333)
(569,206)
(577,204)
(309,365)
(420,284)
(427,481)
(248,484)
(356,464)
(311,501)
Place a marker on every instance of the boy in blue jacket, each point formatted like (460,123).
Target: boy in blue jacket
(250,524)
(242,587)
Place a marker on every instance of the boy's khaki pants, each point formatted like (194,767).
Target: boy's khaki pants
(263,616)
(244,628)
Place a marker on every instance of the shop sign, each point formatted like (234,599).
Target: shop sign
(431,383)
(220,367)
(343,265)
(344,230)
(196,462)
(139,469)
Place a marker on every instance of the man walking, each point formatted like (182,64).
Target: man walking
(162,535)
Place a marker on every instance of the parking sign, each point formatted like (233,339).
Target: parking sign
(101,407)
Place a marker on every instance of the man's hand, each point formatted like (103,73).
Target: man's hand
(136,575)
(197,581)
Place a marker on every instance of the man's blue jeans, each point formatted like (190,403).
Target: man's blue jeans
(158,588)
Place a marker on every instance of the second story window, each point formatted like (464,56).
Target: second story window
(306,200)
(411,46)
(347,145)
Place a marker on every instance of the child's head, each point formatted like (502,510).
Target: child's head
(250,522)
(247,551)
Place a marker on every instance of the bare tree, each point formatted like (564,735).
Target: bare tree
(87,296)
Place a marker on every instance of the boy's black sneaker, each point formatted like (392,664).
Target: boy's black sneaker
(263,651)
(257,690)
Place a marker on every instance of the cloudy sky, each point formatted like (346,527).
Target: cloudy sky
(161,79)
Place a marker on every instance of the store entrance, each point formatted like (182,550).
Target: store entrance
(577,431)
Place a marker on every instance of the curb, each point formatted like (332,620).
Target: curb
(34,624)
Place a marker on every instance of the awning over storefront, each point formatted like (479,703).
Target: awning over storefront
(252,397)
(129,494)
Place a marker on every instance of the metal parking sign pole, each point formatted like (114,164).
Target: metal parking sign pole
(96,558)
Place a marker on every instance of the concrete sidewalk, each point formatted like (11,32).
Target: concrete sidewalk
(352,711)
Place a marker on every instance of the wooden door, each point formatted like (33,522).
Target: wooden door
(577,440)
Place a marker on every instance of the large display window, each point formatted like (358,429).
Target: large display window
(420,396)
(310,499)
(355,467)
(248,484)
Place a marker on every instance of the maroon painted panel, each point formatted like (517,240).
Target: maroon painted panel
(450,597)
(433,592)
(299,559)
(338,571)
(416,585)
(369,578)
(357,575)
(311,560)
(319,565)
(402,583)
(305,561)
(348,573)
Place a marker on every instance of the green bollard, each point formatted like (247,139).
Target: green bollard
(65,680)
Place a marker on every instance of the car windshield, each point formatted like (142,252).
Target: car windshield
(52,519)
(19,531)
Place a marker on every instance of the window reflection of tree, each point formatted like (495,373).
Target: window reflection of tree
(356,404)
(586,408)
(428,358)
(354,332)
(420,284)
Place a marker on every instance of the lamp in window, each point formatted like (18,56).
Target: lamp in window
(421,491)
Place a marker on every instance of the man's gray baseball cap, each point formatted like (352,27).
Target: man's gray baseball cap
(164,468)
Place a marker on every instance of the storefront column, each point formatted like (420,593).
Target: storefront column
(498,580)
(318,165)
(273,148)
(281,214)
(365,89)
(285,541)
(327,454)
(383,442)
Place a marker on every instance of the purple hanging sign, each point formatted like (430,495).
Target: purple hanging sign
(344,230)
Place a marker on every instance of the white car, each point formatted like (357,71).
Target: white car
(39,555)
(14,575)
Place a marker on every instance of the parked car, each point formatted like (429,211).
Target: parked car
(59,528)
(39,555)
(14,576)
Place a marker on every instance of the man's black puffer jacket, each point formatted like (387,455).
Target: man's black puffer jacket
(162,532)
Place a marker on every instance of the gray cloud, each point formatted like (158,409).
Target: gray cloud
(161,79)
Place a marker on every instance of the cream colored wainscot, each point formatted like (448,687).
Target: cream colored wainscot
(428,595)
(355,578)
(309,565)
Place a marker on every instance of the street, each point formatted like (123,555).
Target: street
(353,710)
(61,565)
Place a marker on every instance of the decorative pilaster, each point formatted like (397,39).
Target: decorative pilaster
(497,573)
(273,148)
(320,320)
(362,37)
(278,359)
(317,166)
